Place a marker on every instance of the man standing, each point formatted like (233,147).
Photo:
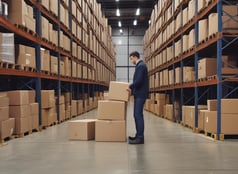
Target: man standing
(140,90)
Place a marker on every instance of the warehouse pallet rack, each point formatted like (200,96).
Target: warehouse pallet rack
(198,91)
(12,78)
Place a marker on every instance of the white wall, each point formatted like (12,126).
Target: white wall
(127,42)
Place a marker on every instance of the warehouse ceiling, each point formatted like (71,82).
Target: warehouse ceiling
(125,12)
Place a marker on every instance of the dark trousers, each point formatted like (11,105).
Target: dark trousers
(138,116)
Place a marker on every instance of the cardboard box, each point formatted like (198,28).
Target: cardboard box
(18,97)
(45,60)
(212,24)
(46,116)
(191,9)
(178,75)
(61,99)
(119,91)
(17,9)
(32,96)
(25,55)
(34,108)
(228,123)
(229,106)
(185,16)
(185,43)
(188,74)
(35,121)
(74,111)
(4,101)
(191,39)
(212,105)
(111,110)
(62,113)
(202,4)
(54,64)
(201,117)
(81,129)
(207,67)
(21,125)
(169,112)
(19,111)
(80,107)
(7,128)
(229,24)
(4,113)
(113,131)
(47,98)
(203,30)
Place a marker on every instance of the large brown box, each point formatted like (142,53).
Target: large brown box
(212,105)
(113,131)
(21,125)
(25,55)
(18,97)
(34,108)
(229,106)
(80,107)
(47,98)
(207,67)
(32,96)
(228,123)
(19,111)
(111,110)
(54,64)
(7,128)
(81,129)
(169,111)
(17,11)
(45,60)
(4,113)
(201,117)
(54,7)
(212,24)
(203,30)
(74,111)
(62,113)
(4,101)
(119,91)
(35,121)
(48,116)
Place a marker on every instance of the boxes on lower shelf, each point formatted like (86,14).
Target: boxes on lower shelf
(81,129)
(113,131)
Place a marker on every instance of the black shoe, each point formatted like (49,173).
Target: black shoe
(137,141)
(131,138)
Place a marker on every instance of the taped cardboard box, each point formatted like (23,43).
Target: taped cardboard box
(81,129)
(21,125)
(47,98)
(19,111)
(20,97)
(119,91)
(7,128)
(4,101)
(4,113)
(110,131)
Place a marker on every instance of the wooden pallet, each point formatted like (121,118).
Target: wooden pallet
(21,135)
(6,65)
(45,72)
(197,130)
(50,125)
(4,141)
(25,29)
(214,136)
(25,68)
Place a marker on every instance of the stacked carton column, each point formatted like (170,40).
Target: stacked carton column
(48,107)
(6,123)
(20,110)
(62,112)
(111,123)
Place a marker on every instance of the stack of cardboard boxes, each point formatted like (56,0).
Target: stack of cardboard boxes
(20,110)
(62,112)
(67,97)
(48,107)
(25,55)
(229,117)
(111,118)
(6,124)
(111,123)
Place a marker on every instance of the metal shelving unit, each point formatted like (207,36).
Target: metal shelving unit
(59,83)
(213,88)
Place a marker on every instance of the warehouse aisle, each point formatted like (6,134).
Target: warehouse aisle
(168,149)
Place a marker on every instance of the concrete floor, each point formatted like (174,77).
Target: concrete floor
(169,149)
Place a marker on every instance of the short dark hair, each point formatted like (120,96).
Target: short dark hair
(135,54)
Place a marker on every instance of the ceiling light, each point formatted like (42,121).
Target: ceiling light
(135,22)
(118,12)
(117,0)
(137,12)
(121,31)
(119,23)
(149,21)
